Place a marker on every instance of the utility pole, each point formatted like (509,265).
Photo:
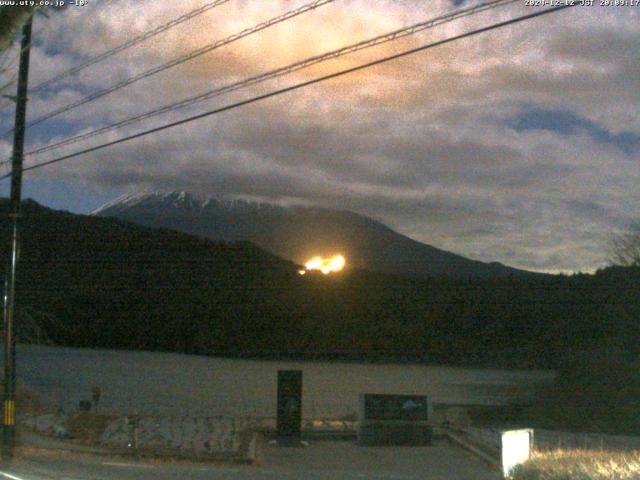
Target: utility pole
(8,433)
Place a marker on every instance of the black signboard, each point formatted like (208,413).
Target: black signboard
(405,408)
(289,421)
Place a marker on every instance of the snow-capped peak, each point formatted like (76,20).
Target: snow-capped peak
(193,202)
(131,199)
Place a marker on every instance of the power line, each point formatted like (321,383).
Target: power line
(300,85)
(8,64)
(13,80)
(3,88)
(375,41)
(130,43)
(8,61)
(179,60)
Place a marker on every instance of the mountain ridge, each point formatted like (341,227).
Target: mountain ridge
(298,232)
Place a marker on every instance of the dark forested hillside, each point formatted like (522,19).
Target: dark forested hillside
(101,282)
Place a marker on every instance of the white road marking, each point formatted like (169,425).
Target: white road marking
(219,469)
(11,477)
(127,465)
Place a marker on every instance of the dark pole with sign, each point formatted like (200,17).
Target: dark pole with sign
(289,420)
(8,434)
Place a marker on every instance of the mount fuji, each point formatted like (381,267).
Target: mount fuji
(298,233)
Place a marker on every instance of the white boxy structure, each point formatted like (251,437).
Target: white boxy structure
(516,448)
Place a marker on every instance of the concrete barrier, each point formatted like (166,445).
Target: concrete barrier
(461,440)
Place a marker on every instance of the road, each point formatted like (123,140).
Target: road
(320,460)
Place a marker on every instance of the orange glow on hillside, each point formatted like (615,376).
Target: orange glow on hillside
(325,265)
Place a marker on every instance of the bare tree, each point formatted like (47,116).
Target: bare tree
(12,19)
(625,248)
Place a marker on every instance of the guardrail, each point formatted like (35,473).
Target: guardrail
(492,458)
(502,449)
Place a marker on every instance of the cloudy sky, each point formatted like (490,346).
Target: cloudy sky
(521,145)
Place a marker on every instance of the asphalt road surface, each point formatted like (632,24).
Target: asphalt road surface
(320,460)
